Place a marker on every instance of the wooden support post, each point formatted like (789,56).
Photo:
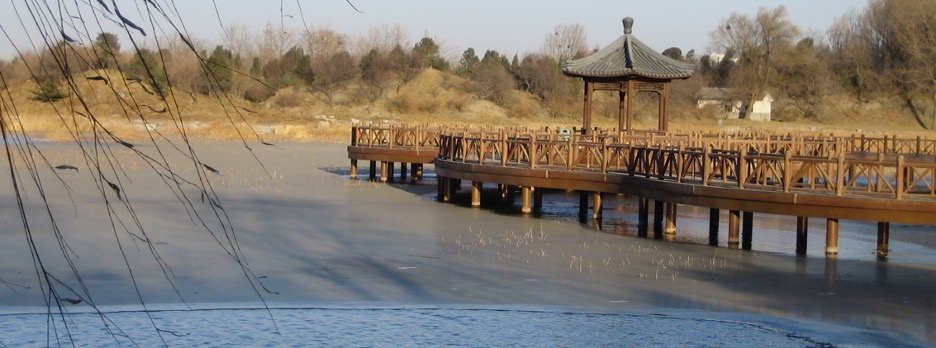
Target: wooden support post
(643,214)
(883,239)
(747,230)
(454,185)
(537,198)
(733,224)
(440,189)
(418,171)
(598,207)
(390,171)
(802,227)
(383,171)
(446,189)
(476,187)
(373,171)
(402,171)
(832,232)
(713,227)
(527,198)
(670,219)
(583,206)
(354,169)
(658,212)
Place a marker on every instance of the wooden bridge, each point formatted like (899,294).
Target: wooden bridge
(880,179)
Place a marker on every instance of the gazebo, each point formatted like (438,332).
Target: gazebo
(627,66)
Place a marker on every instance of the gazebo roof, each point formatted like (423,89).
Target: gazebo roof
(625,57)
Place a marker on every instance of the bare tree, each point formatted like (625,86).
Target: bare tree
(274,42)
(758,41)
(383,38)
(903,36)
(567,41)
(323,42)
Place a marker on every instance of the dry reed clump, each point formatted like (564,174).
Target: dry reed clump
(288,98)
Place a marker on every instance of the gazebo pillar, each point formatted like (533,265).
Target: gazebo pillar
(629,92)
(587,110)
(664,101)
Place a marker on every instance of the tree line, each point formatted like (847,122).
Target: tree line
(882,52)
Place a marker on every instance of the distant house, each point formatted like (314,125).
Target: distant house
(733,104)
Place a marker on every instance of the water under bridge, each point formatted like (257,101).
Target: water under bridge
(884,179)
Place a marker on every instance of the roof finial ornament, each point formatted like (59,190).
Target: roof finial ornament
(628,25)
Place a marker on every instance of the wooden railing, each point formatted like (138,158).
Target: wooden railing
(827,165)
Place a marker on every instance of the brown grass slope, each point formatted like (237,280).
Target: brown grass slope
(433,97)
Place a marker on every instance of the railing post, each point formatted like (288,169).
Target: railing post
(706,164)
(604,155)
(742,169)
(787,171)
(532,151)
(505,152)
(840,174)
(901,182)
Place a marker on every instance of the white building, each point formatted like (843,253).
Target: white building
(733,104)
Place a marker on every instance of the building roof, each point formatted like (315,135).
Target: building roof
(717,93)
(627,56)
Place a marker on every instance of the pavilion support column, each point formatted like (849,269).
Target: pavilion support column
(747,230)
(622,110)
(883,239)
(587,109)
(372,175)
(598,208)
(664,101)
(802,227)
(526,193)
(658,213)
(643,214)
(733,223)
(713,226)
(629,91)
(476,187)
(354,169)
(832,234)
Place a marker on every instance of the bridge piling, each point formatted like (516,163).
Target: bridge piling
(643,214)
(598,208)
(476,187)
(583,206)
(802,227)
(658,214)
(354,169)
(537,198)
(747,230)
(832,232)
(372,171)
(883,239)
(403,171)
(383,171)
(670,230)
(526,193)
(713,226)
(733,217)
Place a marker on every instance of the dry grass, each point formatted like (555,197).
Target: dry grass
(433,97)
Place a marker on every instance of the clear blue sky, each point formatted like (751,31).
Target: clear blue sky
(509,27)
